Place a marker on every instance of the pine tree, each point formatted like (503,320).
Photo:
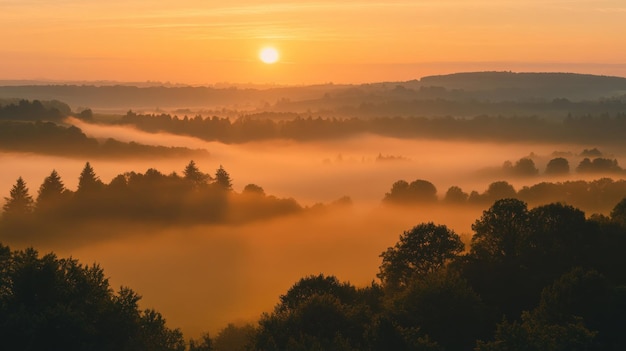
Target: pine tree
(88,181)
(222,179)
(51,189)
(20,203)
(192,173)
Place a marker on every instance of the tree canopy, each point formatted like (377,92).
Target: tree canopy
(51,303)
(424,249)
(542,278)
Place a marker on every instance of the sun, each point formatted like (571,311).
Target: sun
(269,55)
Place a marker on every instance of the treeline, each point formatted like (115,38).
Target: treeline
(466,94)
(191,198)
(51,303)
(49,138)
(544,278)
(595,196)
(596,129)
(525,167)
(24,110)
(436,101)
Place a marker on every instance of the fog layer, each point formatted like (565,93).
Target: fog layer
(203,277)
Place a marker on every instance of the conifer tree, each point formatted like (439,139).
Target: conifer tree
(19,203)
(51,189)
(88,181)
(222,179)
(193,174)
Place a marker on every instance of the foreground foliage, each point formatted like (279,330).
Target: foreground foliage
(545,278)
(48,303)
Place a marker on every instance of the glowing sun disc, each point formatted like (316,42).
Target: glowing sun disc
(268,55)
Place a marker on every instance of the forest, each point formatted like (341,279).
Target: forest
(542,278)
(531,279)
(192,198)
(470,211)
(38,127)
(195,197)
(599,129)
(546,94)
(595,196)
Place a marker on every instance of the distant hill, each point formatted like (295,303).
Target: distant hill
(133,97)
(491,87)
(546,85)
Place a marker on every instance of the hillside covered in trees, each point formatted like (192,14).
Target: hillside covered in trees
(39,127)
(599,129)
(532,93)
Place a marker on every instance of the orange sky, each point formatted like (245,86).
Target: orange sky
(206,41)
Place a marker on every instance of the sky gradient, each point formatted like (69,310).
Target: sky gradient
(204,42)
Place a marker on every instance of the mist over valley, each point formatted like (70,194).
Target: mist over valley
(211,226)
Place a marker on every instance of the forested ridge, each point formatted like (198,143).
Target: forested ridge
(524,93)
(587,128)
(25,125)
(19,109)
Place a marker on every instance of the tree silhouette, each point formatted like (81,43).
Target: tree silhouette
(317,313)
(19,203)
(193,174)
(559,240)
(500,230)
(47,303)
(498,191)
(598,165)
(525,167)
(570,313)
(253,189)
(88,182)
(418,191)
(420,251)
(154,334)
(618,214)
(533,334)
(455,195)
(444,307)
(422,191)
(399,192)
(222,179)
(51,191)
(316,285)
(205,343)
(557,166)
(234,338)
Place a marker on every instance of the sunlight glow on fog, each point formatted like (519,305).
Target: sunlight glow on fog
(203,277)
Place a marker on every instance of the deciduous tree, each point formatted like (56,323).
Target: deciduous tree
(420,251)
